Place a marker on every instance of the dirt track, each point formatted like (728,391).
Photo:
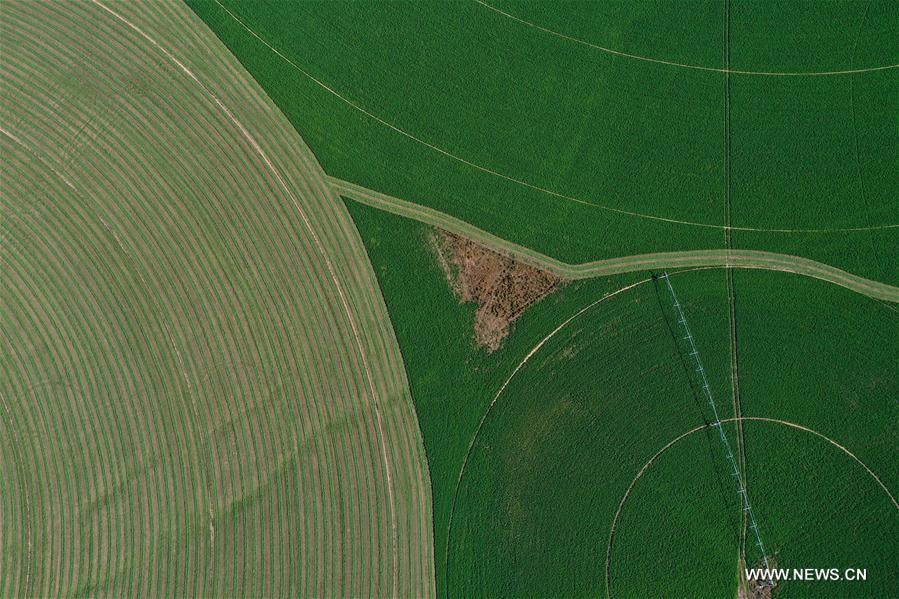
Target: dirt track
(657,261)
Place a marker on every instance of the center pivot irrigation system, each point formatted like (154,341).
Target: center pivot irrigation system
(738,477)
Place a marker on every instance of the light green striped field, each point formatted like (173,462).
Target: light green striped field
(200,390)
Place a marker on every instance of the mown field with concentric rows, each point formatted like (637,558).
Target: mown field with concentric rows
(200,391)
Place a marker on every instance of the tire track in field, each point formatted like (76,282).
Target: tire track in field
(748,259)
(696,67)
(692,431)
(736,406)
(474,438)
(620,211)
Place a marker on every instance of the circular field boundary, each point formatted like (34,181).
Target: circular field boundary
(683,65)
(355,105)
(221,386)
(686,434)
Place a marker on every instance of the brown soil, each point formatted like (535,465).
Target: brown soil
(753,589)
(501,287)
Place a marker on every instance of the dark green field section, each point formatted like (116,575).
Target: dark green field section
(564,441)
(806,36)
(452,380)
(824,357)
(677,530)
(572,129)
(527,483)
(818,153)
(653,30)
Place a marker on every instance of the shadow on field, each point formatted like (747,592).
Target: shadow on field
(722,477)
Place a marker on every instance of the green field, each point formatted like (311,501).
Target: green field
(564,440)
(491,119)
(232,365)
(452,380)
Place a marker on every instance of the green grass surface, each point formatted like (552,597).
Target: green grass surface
(655,30)
(678,533)
(567,437)
(804,35)
(816,507)
(818,355)
(806,152)
(569,119)
(452,380)
(569,433)
(813,153)
(819,508)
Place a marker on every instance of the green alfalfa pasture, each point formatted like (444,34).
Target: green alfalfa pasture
(568,435)
(452,380)
(464,79)
(508,121)
(816,508)
(549,468)
(816,157)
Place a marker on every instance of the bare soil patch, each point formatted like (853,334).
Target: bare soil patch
(754,589)
(502,287)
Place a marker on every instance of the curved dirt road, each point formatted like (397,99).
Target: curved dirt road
(612,266)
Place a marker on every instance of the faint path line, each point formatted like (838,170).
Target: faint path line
(37,157)
(890,307)
(495,173)
(668,446)
(731,297)
(477,432)
(249,138)
(661,260)
(682,65)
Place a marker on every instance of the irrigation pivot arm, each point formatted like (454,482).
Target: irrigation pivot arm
(725,442)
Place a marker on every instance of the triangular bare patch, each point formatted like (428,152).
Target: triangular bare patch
(502,287)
